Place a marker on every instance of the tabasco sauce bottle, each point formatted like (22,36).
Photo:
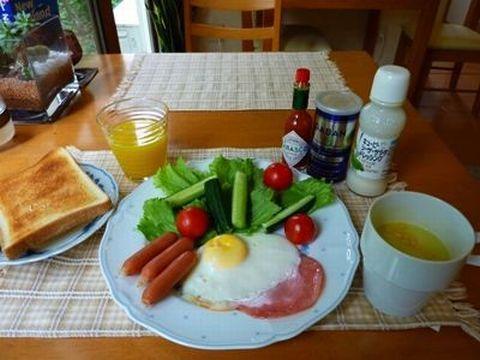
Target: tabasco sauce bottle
(299,125)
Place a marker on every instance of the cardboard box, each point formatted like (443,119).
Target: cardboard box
(41,10)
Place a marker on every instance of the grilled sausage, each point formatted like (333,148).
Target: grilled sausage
(134,264)
(174,273)
(165,258)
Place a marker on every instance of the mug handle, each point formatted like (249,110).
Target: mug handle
(474,260)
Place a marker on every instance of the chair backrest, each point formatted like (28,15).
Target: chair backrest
(440,17)
(269,35)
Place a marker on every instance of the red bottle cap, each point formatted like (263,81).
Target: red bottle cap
(302,75)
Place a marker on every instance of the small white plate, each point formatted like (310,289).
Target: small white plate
(65,242)
(336,248)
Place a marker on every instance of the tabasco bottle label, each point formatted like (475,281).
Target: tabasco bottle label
(294,148)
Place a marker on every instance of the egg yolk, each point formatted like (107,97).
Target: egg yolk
(225,251)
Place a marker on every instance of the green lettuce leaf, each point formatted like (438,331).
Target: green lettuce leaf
(262,205)
(225,169)
(200,203)
(188,173)
(263,208)
(172,178)
(322,191)
(158,218)
(262,202)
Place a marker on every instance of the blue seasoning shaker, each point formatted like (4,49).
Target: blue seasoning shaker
(336,118)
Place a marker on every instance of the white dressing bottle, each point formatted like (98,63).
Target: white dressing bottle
(381,122)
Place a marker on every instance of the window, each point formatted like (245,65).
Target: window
(102,25)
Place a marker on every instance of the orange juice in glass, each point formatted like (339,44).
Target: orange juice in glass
(136,131)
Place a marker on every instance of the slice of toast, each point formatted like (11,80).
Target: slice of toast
(46,200)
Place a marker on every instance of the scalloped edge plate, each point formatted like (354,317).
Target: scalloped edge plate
(76,236)
(336,247)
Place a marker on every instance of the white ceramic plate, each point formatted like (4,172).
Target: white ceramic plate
(74,237)
(336,248)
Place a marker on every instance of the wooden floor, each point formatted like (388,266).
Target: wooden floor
(451,117)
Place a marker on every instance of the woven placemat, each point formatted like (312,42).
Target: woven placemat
(66,295)
(227,81)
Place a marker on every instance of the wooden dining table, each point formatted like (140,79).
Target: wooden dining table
(424,163)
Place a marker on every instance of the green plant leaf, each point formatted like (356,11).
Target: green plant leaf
(167,18)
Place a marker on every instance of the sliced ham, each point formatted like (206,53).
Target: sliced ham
(297,293)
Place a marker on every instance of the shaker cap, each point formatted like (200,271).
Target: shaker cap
(302,75)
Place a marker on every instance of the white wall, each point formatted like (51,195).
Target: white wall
(458,10)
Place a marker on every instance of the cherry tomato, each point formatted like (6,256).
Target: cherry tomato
(300,229)
(192,222)
(278,176)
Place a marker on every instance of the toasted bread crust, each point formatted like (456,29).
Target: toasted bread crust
(46,200)
(42,237)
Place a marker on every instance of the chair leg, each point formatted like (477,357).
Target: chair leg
(476,104)
(371,32)
(402,50)
(247,22)
(422,81)
(456,71)
(267,21)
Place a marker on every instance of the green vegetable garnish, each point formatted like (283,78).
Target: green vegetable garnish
(298,207)
(322,191)
(158,217)
(172,178)
(190,174)
(200,203)
(262,205)
(226,169)
(188,194)
(216,207)
(240,200)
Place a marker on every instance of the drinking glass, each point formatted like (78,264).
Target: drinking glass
(136,131)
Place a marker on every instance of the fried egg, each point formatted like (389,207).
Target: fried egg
(234,268)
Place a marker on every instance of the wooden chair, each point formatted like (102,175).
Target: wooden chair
(294,38)
(449,43)
(269,35)
(472,19)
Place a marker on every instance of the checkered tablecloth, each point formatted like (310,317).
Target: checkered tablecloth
(66,296)
(227,81)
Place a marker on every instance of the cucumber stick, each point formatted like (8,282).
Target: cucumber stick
(239,200)
(215,206)
(186,195)
(304,204)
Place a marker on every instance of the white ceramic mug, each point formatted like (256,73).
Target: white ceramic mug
(397,283)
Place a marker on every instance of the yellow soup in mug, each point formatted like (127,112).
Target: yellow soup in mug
(414,240)
(140,146)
